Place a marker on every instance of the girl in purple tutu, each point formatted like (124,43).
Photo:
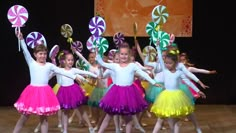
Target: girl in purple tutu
(123,98)
(38,97)
(70,95)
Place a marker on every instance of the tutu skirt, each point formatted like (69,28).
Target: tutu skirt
(172,103)
(71,97)
(38,100)
(88,88)
(145,84)
(187,91)
(96,96)
(123,100)
(56,88)
(139,86)
(152,92)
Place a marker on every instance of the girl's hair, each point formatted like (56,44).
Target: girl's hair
(187,63)
(173,55)
(124,45)
(39,48)
(62,56)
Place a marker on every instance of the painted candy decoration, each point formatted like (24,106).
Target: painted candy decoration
(17,15)
(151,51)
(160,14)
(118,38)
(91,43)
(172,38)
(111,54)
(151,28)
(66,30)
(102,45)
(78,45)
(35,38)
(81,65)
(97,26)
(54,51)
(163,37)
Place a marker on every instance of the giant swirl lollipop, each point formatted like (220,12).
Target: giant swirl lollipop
(97,26)
(118,39)
(35,38)
(160,14)
(151,51)
(102,45)
(78,46)
(163,37)
(67,31)
(17,15)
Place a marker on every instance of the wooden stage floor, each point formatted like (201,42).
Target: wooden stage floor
(212,119)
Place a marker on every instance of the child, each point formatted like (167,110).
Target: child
(38,97)
(172,103)
(123,97)
(70,95)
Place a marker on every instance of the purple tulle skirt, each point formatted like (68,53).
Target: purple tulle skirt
(37,100)
(123,100)
(71,97)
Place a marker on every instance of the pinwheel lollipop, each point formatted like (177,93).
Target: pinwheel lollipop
(102,45)
(151,51)
(135,28)
(163,37)
(118,39)
(67,31)
(78,46)
(91,43)
(81,65)
(54,51)
(17,15)
(111,54)
(35,38)
(97,26)
(160,14)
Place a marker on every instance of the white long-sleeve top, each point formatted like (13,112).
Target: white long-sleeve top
(197,70)
(40,74)
(110,73)
(65,81)
(124,76)
(172,80)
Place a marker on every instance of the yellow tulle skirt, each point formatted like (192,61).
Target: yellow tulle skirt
(145,84)
(56,88)
(88,88)
(172,103)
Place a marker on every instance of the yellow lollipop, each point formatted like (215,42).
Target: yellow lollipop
(135,28)
(66,30)
(151,51)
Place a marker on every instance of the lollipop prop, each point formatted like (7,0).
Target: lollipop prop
(77,45)
(118,39)
(97,26)
(135,28)
(35,38)
(160,14)
(151,51)
(67,31)
(17,15)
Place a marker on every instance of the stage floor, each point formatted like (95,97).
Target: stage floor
(212,119)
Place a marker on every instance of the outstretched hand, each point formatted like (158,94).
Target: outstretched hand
(202,94)
(19,35)
(158,85)
(203,85)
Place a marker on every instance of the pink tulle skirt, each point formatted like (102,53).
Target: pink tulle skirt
(38,100)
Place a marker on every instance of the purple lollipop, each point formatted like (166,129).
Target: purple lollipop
(35,38)
(118,39)
(78,45)
(97,26)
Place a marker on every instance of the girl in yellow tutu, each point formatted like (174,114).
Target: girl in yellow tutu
(172,103)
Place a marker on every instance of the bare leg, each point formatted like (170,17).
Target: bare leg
(65,115)
(116,122)
(129,123)
(158,125)
(37,129)
(20,123)
(194,121)
(137,125)
(86,118)
(44,124)
(100,119)
(72,116)
(105,123)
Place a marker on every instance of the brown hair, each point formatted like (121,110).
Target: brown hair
(39,48)
(187,63)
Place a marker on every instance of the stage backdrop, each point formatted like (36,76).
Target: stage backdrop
(121,14)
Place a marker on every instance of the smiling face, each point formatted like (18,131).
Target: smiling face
(41,56)
(69,60)
(124,55)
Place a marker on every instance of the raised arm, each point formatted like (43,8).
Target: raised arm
(80,56)
(102,63)
(139,50)
(160,59)
(204,71)
(78,71)
(26,52)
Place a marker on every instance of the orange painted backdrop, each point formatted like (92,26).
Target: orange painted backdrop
(121,14)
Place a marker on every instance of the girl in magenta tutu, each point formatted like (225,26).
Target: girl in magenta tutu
(38,97)
(70,95)
(123,98)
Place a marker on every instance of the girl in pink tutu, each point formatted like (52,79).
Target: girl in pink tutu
(123,98)
(38,97)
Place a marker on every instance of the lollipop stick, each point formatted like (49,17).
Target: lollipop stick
(17,31)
